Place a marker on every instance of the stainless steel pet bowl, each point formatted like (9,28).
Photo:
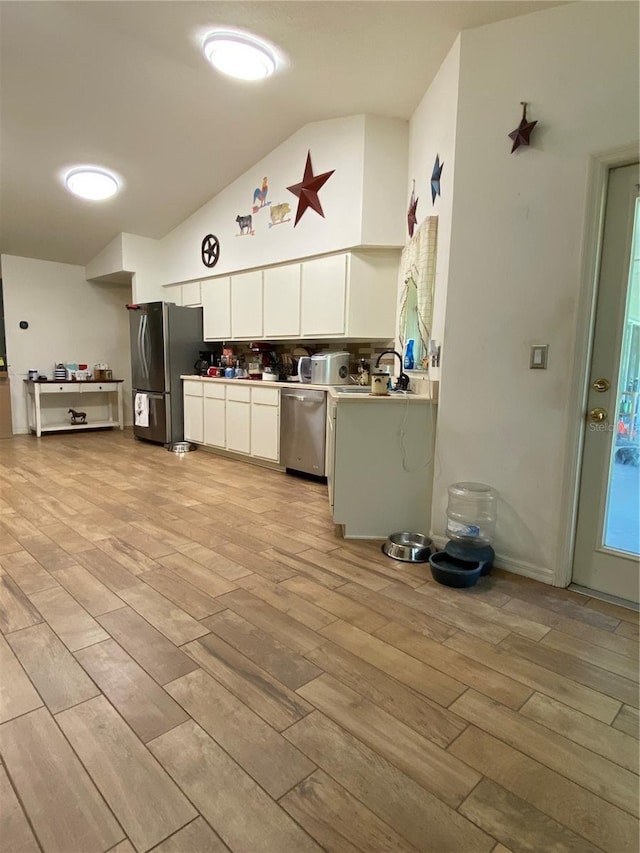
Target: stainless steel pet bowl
(183,446)
(408,547)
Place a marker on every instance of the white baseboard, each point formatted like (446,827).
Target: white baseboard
(518,567)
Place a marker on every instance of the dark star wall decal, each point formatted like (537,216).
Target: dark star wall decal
(521,134)
(307,190)
(412,219)
(435,179)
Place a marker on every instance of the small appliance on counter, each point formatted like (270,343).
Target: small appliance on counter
(324,368)
(206,359)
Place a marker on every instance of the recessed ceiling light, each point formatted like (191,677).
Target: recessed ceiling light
(239,55)
(89,182)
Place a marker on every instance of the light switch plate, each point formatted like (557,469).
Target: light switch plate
(538,357)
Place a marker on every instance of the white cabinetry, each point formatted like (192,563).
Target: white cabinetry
(347,295)
(214,415)
(193,412)
(281,288)
(265,423)
(324,289)
(216,309)
(191,295)
(373,501)
(233,416)
(246,305)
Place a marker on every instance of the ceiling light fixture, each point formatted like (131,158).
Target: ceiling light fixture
(91,183)
(239,55)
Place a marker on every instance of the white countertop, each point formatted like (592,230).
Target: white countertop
(394,398)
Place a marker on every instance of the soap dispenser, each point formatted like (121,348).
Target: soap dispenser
(408,356)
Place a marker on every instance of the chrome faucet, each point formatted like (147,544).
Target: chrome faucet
(402,383)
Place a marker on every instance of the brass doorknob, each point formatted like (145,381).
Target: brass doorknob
(598,415)
(601,385)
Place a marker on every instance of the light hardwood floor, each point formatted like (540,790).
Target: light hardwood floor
(193,660)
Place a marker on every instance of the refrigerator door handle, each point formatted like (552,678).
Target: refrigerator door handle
(144,343)
(139,341)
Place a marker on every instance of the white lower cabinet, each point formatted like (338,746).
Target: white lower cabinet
(233,416)
(238,422)
(214,422)
(193,417)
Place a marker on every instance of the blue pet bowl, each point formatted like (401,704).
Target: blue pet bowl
(451,571)
(483,554)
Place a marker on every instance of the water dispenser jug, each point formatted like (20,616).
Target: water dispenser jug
(471,513)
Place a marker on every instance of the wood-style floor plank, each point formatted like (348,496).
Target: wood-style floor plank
(189,598)
(15,833)
(338,821)
(593,654)
(261,751)
(607,683)
(421,714)
(146,707)
(16,611)
(628,721)
(408,670)
(282,598)
(163,614)
(75,627)
(595,735)
(69,815)
(27,572)
(534,675)
(17,693)
(419,817)
(88,591)
(602,824)
(421,760)
(152,650)
(195,837)
(287,666)
(200,766)
(499,687)
(54,671)
(337,605)
(260,691)
(521,826)
(283,628)
(225,566)
(597,774)
(147,803)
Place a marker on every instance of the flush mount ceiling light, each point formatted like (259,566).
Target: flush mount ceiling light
(239,55)
(91,183)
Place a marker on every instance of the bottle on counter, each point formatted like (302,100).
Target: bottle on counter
(409,359)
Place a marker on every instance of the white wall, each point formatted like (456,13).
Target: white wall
(69,319)
(432,132)
(385,173)
(515,263)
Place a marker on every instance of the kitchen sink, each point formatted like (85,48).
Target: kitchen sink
(352,389)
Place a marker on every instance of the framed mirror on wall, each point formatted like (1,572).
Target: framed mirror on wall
(417,280)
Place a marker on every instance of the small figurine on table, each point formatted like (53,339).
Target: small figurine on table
(78,417)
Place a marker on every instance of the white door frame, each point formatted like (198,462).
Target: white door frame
(597,181)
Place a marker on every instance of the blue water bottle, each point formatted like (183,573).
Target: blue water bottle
(408,356)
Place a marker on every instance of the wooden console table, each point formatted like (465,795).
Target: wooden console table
(35,390)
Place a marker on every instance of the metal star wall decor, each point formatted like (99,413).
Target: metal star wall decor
(435,179)
(521,134)
(412,219)
(307,190)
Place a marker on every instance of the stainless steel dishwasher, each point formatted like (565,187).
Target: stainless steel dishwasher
(302,430)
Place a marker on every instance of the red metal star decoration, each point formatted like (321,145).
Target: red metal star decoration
(412,218)
(522,133)
(307,190)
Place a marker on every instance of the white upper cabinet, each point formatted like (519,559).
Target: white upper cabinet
(216,309)
(191,294)
(281,288)
(246,305)
(349,295)
(324,292)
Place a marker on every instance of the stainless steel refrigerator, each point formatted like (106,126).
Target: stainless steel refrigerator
(165,340)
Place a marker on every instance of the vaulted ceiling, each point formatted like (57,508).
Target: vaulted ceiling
(125,85)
